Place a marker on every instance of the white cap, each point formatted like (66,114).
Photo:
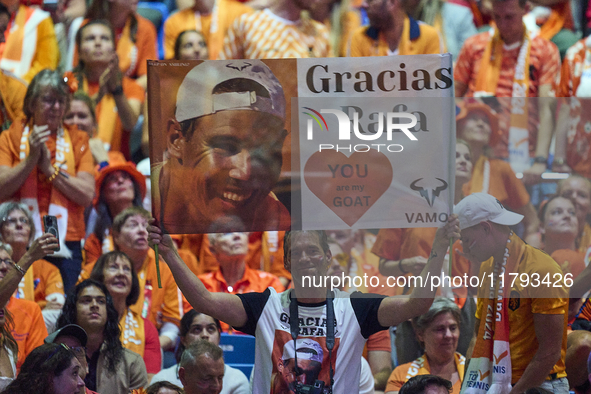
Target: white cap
(482,207)
(195,97)
(308,349)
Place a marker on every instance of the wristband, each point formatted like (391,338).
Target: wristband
(400,267)
(540,159)
(118,91)
(54,175)
(19,268)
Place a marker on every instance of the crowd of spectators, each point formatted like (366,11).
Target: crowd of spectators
(73,140)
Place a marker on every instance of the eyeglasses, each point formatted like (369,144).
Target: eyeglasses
(8,262)
(51,100)
(80,351)
(57,349)
(13,221)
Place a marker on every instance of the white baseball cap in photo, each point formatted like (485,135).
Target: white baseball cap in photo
(308,349)
(197,94)
(482,207)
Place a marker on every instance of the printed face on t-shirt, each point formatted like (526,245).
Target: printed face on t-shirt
(307,373)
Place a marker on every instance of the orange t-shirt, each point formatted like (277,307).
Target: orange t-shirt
(264,35)
(578,146)
(251,281)
(544,61)
(29,329)
(570,261)
(42,280)
(134,62)
(132,91)
(380,341)
(420,366)
(12,92)
(367,41)
(265,252)
(140,336)
(503,185)
(46,52)
(402,243)
(187,20)
(541,299)
(9,156)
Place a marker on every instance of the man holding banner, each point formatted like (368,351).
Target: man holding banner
(224,152)
(277,319)
(520,332)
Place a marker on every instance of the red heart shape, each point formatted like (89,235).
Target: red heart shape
(349,186)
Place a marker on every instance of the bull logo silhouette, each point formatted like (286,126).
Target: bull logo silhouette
(425,193)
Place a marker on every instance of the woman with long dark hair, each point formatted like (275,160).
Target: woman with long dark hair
(116,272)
(49,369)
(112,368)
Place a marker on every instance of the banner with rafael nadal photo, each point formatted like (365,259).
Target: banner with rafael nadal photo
(339,143)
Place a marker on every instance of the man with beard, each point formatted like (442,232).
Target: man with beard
(224,152)
(392,32)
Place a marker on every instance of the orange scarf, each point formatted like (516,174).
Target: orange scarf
(552,26)
(486,86)
(480,176)
(127,51)
(106,113)
(21,38)
(132,332)
(490,365)
(26,287)
(58,206)
(215,40)
(584,241)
